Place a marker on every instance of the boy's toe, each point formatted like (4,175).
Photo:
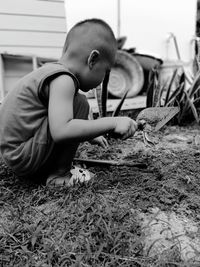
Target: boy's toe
(75,176)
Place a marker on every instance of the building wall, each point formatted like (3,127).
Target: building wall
(32,32)
(32,27)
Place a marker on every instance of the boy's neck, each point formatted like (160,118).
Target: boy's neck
(71,64)
(64,63)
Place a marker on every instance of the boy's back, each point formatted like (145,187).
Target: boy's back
(23,112)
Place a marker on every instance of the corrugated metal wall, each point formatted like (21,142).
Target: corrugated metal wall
(36,27)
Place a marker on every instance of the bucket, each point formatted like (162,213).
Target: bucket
(168,69)
(148,63)
(126,75)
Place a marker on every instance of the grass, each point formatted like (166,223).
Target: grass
(80,226)
(88,225)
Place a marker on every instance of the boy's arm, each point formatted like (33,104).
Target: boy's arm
(64,128)
(60,113)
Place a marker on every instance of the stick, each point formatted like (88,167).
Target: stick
(93,162)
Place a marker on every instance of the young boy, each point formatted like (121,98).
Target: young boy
(44,118)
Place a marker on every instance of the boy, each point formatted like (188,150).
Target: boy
(44,118)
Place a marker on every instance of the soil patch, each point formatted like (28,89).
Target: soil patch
(126,216)
(171,181)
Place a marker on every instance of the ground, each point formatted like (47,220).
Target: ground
(127,216)
(171,177)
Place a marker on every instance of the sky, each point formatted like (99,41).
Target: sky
(145,23)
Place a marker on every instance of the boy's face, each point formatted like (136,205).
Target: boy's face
(95,75)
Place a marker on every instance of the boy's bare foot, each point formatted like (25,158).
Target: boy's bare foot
(72,177)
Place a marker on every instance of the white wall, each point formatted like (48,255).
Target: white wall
(150,21)
(77,10)
(146,23)
(36,27)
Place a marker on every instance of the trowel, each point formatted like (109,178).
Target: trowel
(153,119)
(156,117)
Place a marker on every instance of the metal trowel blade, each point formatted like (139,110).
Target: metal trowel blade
(157,117)
(166,119)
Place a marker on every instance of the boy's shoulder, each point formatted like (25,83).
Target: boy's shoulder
(49,71)
(49,68)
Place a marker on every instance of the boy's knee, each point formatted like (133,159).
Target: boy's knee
(81,107)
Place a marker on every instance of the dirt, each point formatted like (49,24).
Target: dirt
(170,183)
(166,230)
(158,202)
(171,179)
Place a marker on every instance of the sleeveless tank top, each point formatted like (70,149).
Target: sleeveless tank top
(24,118)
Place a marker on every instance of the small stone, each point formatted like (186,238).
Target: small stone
(197,140)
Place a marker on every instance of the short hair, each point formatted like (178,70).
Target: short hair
(88,21)
(99,22)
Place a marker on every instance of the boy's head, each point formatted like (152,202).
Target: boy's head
(89,51)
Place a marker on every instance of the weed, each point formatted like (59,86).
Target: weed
(175,92)
(102,98)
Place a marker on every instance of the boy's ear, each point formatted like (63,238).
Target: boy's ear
(93,58)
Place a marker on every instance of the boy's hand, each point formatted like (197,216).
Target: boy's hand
(101,141)
(125,127)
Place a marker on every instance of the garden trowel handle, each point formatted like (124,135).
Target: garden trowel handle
(141,124)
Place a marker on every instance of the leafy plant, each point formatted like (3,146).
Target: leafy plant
(102,97)
(118,107)
(175,92)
